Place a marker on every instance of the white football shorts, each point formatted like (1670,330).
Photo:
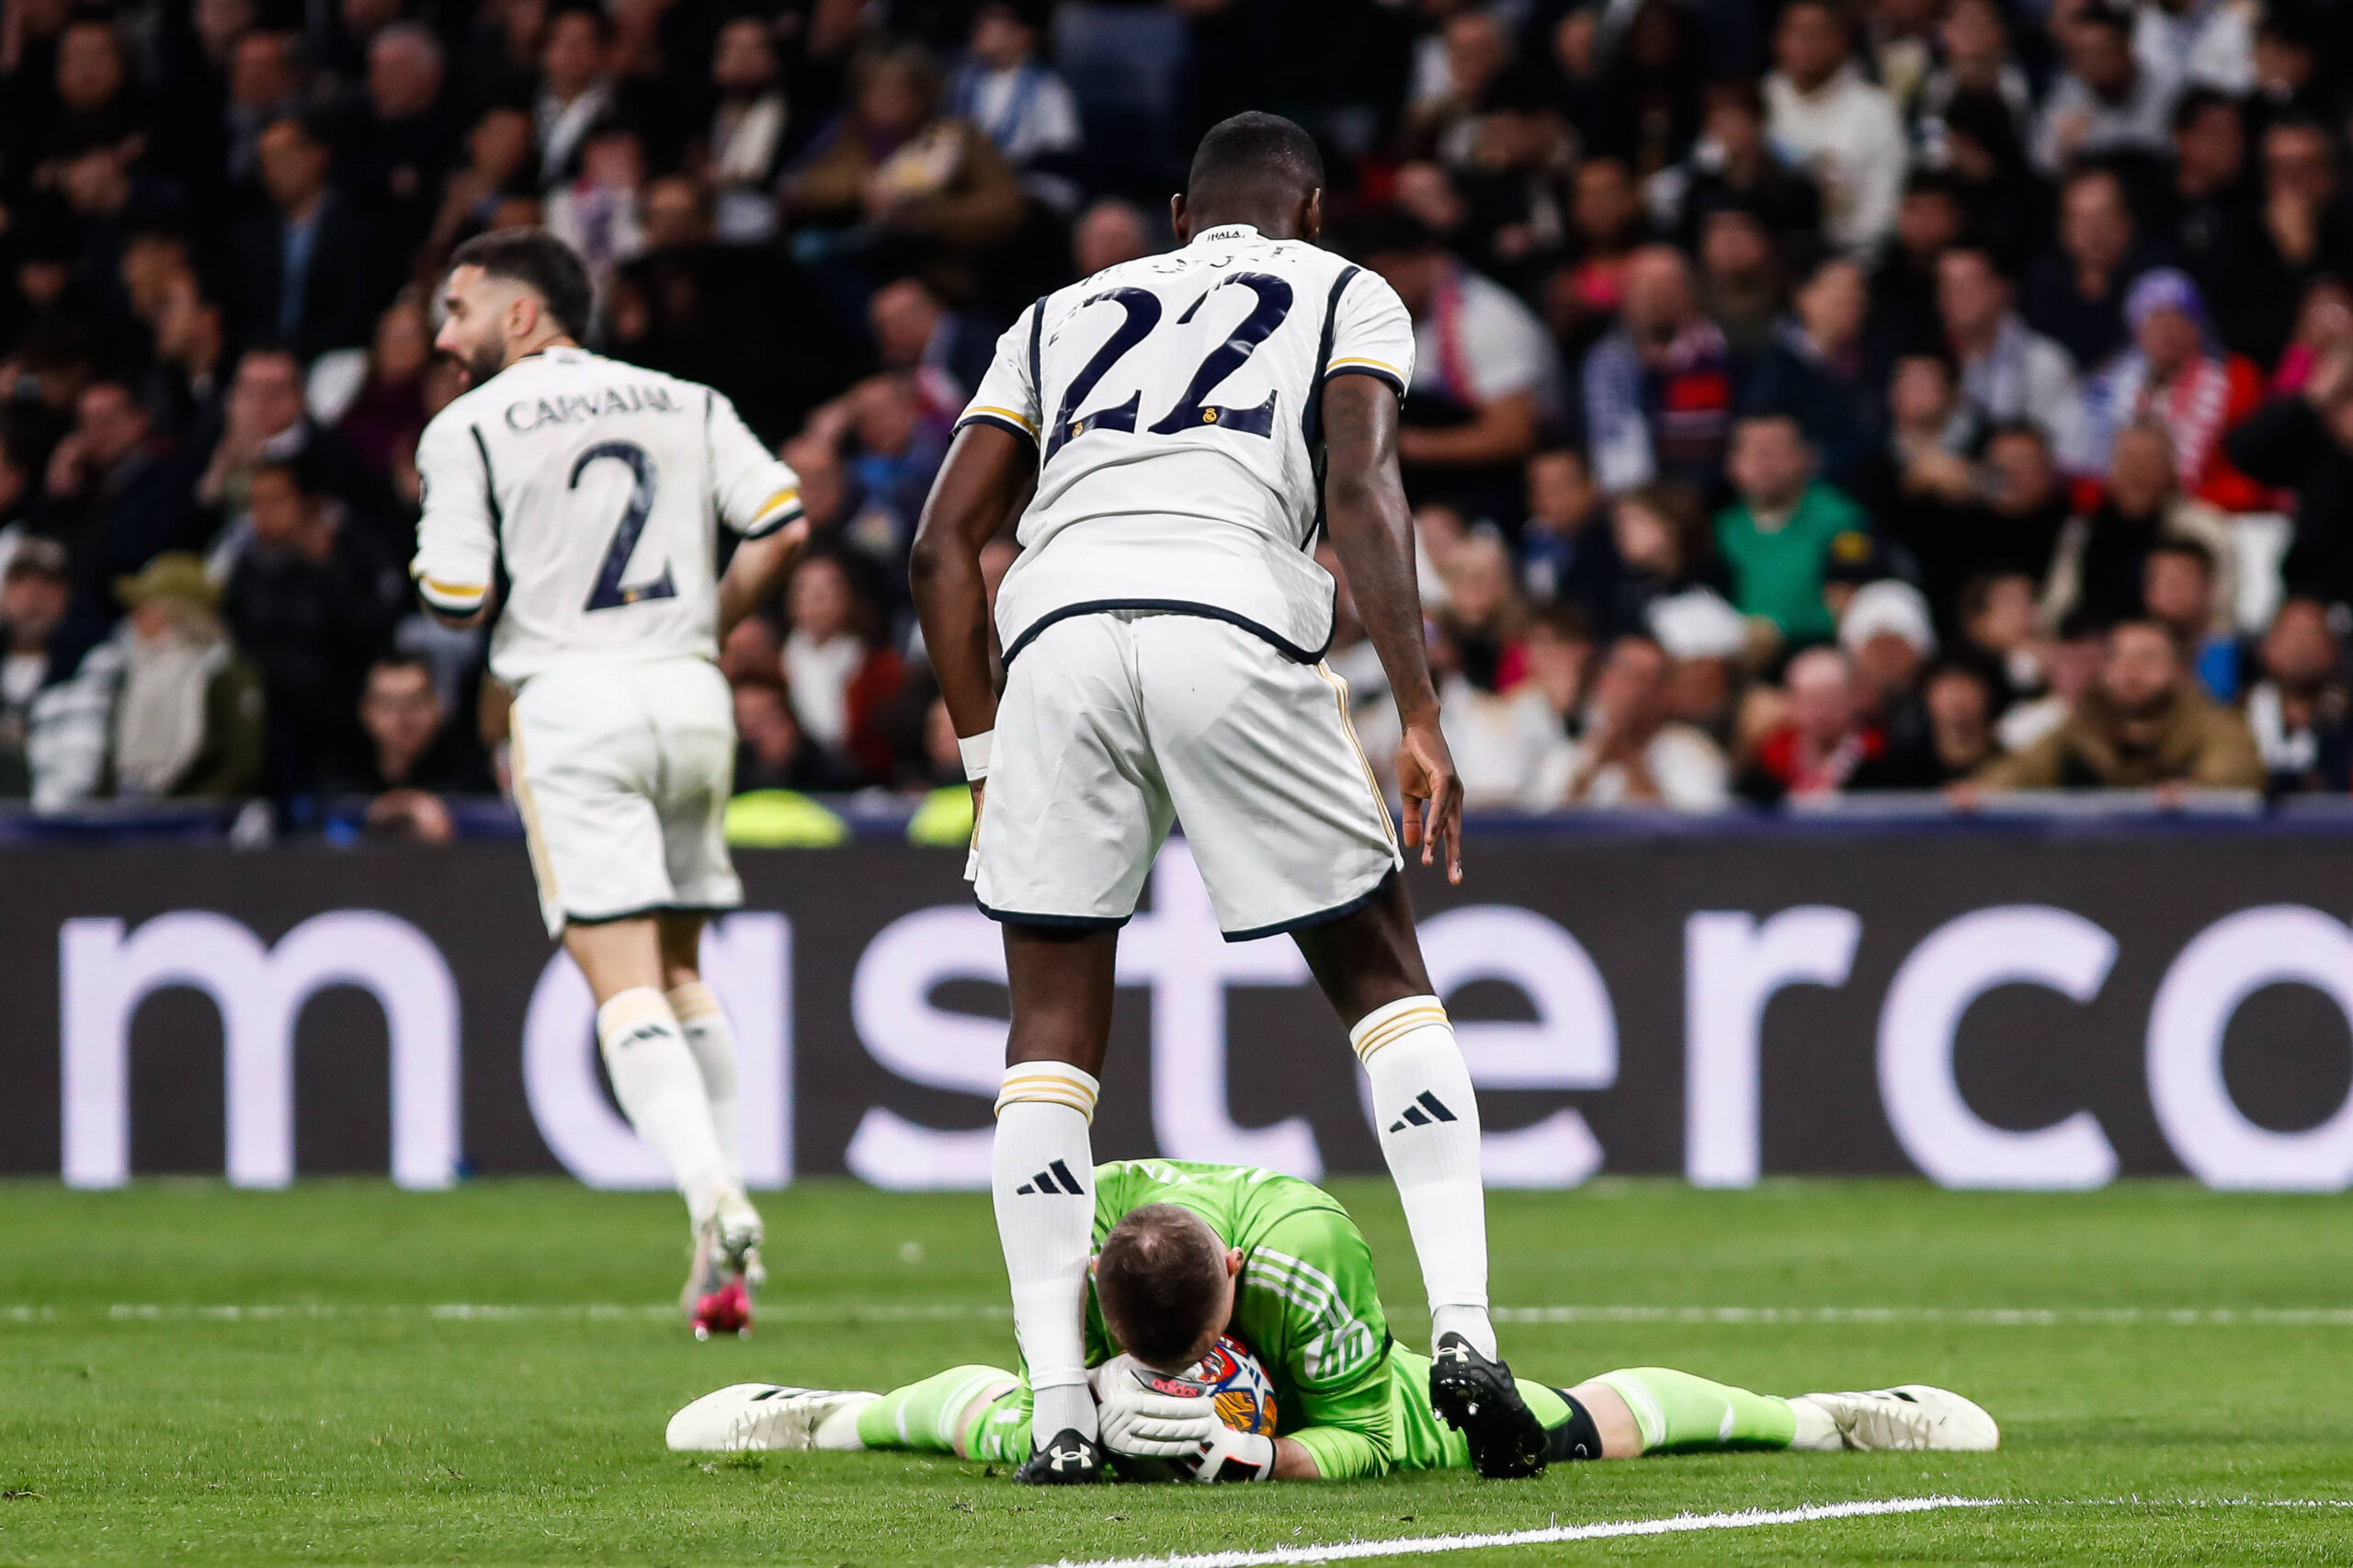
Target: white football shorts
(1114,722)
(622,774)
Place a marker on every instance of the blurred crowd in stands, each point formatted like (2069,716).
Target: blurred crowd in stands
(1811,398)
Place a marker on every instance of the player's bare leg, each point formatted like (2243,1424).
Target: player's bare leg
(1043,1176)
(660,1090)
(1369,967)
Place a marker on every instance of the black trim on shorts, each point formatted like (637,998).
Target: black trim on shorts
(1056,922)
(651,911)
(1281,644)
(1321,917)
(1578,1438)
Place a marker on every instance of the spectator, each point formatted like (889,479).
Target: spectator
(1665,548)
(1566,552)
(2303,442)
(1824,746)
(2143,726)
(1485,375)
(1484,615)
(168,709)
(840,680)
(36,649)
(1631,753)
(311,604)
(265,86)
(2169,376)
(1510,751)
(596,213)
(1889,640)
(2072,664)
(2102,561)
(575,89)
(1734,161)
(2300,713)
(1659,389)
(2305,231)
(773,752)
(502,162)
(265,419)
(895,178)
(386,417)
(1739,277)
(2008,370)
(2107,101)
(2177,591)
(2076,294)
(1960,704)
(1976,59)
(311,268)
(411,744)
(1107,233)
(400,143)
(746,143)
(1997,626)
(1776,536)
(946,352)
(1025,108)
(2212,213)
(113,498)
(1817,370)
(1709,643)
(185,385)
(889,451)
(1847,131)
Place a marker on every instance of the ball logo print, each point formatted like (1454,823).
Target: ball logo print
(1232,1379)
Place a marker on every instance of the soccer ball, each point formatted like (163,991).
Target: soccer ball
(1230,1377)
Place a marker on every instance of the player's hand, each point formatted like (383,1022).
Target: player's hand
(1232,1456)
(1136,1418)
(1433,817)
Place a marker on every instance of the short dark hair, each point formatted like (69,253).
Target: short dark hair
(1254,150)
(2198,102)
(2186,547)
(1158,1277)
(398,662)
(541,263)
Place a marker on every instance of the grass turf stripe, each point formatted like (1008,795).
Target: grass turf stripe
(1422,1546)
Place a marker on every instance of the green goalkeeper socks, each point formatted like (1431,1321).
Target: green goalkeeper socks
(1680,1413)
(924,1416)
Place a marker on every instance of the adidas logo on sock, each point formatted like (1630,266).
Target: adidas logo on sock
(1426,1109)
(1044,1181)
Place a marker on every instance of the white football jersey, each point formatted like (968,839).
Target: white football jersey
(597,488)
(1174,402)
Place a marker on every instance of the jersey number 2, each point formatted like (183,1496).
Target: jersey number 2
(610,592)
(1274,303)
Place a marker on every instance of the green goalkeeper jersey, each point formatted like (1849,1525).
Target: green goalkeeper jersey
(1306,1303)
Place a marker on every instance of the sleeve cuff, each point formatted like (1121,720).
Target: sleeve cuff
(450,599)
(788,512)
(1003,418)
(1374,368)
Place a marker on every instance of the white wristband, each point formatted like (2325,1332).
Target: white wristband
(975,750)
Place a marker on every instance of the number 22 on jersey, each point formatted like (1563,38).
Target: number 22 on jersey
(1142,316)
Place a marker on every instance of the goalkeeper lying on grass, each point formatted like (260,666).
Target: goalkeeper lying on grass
(1188,1252)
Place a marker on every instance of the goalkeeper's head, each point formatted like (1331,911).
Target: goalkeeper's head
(1166,1283)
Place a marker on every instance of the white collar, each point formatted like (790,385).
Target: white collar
(1227,234)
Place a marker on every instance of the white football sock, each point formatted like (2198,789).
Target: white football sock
(838,1431)
(661,1091)
(1042,1175)
(1429,1119)
(1817,1433)
(713,1041)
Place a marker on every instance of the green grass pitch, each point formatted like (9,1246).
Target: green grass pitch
(2183,1368)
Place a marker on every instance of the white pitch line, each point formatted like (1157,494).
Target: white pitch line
(1424,1546)
(967,1312)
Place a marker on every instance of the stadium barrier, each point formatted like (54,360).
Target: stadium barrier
(2000,1006)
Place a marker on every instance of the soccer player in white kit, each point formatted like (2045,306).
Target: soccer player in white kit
(596,490)
(1173,433)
